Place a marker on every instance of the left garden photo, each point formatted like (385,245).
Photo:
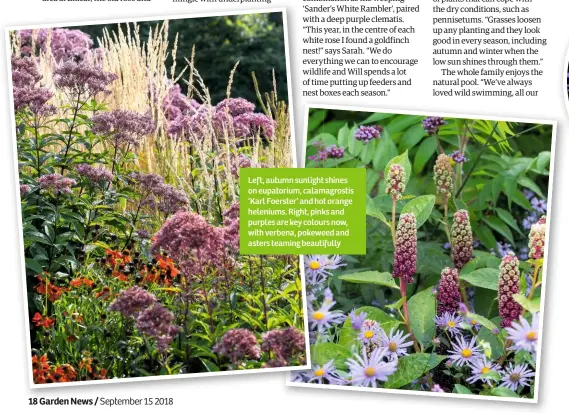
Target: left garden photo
(129,141)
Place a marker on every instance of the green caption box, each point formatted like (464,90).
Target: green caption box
(302,211)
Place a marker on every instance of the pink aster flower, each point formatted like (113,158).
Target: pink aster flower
(405,257)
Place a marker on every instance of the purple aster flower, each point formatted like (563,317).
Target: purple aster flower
(321,155)
(504,248)
(95,174)
(371,333)
(326,372)
(357,319)
(528,194)
(405,256)
(515,376)
(448,296)
(368,370)
(367,133)
(300,376)
(458,157)
(450,322)
(447,246)
(56,183)
(317,267)
(335,152)
(395,344)
(480,368)
(432,125)
(508,285)
(156,322)
(523,335)
(539,205)
(464,351)
(132,301)
(323,318)
(438,389)
(237,344)
(524,253)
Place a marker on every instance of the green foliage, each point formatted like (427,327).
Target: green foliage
(422,311)
(412,367)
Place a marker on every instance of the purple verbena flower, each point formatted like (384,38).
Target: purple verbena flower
(335,152)
(432,125)
(458,157)
(367,133)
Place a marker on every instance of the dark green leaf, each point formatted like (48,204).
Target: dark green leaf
(421,207)
(371,277)
(485,278)
(412,367)
(422,309)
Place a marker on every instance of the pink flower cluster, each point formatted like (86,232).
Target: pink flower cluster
(508,285)
(157,322)
(65,43)
(27,92)
(285,344)
(461,235)
(405,257)
(241,161)
(95,174)
(176,104)
(124,127)
(24,188)
(231,227)
(396,181)
(82,79)
(443,175)
(537,239)
(237,344)
(155,194)
(192,242)
(57,183)
(132,301)
(448,296)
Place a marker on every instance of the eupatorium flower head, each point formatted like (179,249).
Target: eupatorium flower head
(26,91)
(57,183)
(285,343)
(448,295)
(82,78)
(443,175)
(95,174)
(461,234)
(157,322)
(123,127)
(396,181)
(132,301)
(155,194)
(65,43)
(367,133)
(24,188)
(432,125)
(237,344)
(405,258)
(231,227)
(508,285)
(537,239)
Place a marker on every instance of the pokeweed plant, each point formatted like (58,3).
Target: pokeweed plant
(448,296)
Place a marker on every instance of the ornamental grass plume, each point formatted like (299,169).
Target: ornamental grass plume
(286,344)
(448,296)
(537,239)
(443,175)
(405,257)
(191,241)
(132,301)
(396,181)
(461,235)
(238,344)
(508,285)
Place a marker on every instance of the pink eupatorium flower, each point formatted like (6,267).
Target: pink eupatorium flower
(396,181)
(284,343)
(132,301)
(231,227)
(448,295)
(508,285)
(537,239)
(124,127)
(235,106)
(57,183)
(157,195)
(156,322)
(24,188)
(461,234)
(443,175)
(192,242)
(95,174)
(176,104)
(65,43)
(405,258)
(26,91)
(82,79)
(237,344)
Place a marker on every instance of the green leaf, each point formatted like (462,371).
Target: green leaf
(402,122)
(486,236)
(504,392)
(373,209)
(373,313)
(412,136)
(508,219)
(210,366)
(421,207)
(378,116)
(34,265)
(422,308)
(462,390)
(528,183)
(485,278)
(424,153)
(316,118)
(371,277)
(322,353)
(344,136)
(403,161)
(499,226)
(412,367)
(384,152)
(533,305)
(482,320)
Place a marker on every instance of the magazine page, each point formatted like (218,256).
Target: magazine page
(331,196)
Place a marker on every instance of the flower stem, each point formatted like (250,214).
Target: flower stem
(534,283)
(393,216)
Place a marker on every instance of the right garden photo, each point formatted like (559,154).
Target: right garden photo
(448,298)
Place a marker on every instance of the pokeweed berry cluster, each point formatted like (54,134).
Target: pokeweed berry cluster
(444,175)
(508,285)
(461,239)
(405,257)
(396,181)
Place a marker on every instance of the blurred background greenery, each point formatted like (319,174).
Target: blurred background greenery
(255,40)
